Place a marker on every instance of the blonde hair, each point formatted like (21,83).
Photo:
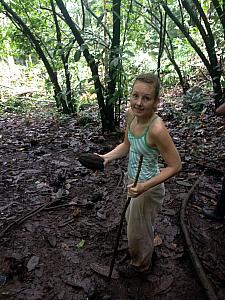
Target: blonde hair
(152,79)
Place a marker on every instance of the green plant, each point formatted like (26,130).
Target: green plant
(14,105)
(194,99)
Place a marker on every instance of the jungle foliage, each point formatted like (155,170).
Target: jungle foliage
(93,49)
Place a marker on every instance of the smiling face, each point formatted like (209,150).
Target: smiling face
(143,100)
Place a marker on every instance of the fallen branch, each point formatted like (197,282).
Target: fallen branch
(27,216)
(208,168)
(194,258)
(61,206)
(71,220)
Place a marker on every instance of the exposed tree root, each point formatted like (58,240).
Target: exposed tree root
(27,216)
(194,258)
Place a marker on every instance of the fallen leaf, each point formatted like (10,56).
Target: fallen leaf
(160,285)
(76,212)
(184,183)
(51,238)
(157,240)
(81,244)
(168,212)
(32,263)
(104,270)
(65,246)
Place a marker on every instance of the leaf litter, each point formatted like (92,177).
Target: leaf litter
(41,259)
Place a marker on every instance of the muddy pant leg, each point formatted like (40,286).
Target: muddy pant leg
(140,217)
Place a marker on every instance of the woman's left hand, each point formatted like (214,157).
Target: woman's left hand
(135,191)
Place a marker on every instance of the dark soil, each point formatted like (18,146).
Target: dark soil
(48,254)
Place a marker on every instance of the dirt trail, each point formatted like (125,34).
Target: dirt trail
(49,255)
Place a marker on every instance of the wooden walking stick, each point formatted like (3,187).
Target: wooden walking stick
(121,221)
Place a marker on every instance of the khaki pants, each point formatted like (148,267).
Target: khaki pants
(140,216)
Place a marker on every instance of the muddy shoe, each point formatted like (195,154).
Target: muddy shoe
(212,214)
(160,285)
(128,271)
(104,270)
(126,257)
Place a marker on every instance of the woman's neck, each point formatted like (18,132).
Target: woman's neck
(144,121)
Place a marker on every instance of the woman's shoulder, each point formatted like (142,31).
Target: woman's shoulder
(157,132)
(221,109)
(158,127)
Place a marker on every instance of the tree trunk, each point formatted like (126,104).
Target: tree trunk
(220,9)
(162,31)
(208,38)
(52,74)
(90,61)
(168,48)
(114,67)
(211,63)
(64,58)
(170,53)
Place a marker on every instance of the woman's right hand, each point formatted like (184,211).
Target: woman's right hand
(106,160)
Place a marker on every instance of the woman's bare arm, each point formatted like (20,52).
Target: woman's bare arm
(168,150)
(221,109)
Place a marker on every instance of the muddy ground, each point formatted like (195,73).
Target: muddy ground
(58,218)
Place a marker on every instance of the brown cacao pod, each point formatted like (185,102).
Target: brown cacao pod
(91,161)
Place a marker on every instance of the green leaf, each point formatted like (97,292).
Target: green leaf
(130,53)
(93,78)
(81,244)
(115,62)
(77,55)
(99,20)
(83,47)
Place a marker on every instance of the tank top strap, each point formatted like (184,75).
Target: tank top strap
(129,124)
(150,124)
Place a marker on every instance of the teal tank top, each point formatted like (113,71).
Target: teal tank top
(138,146)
